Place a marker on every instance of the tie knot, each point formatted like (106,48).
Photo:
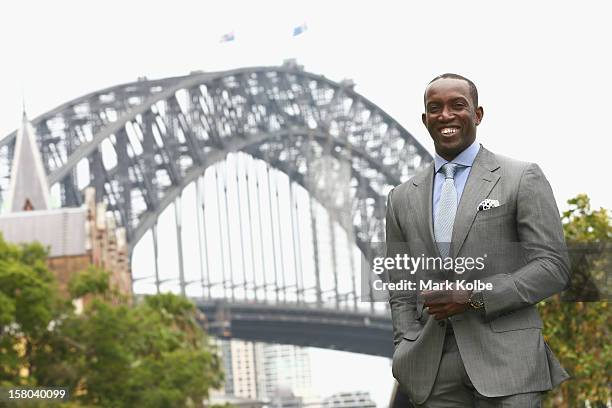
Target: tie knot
(449,170)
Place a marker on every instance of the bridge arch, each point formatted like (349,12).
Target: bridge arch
(162,134)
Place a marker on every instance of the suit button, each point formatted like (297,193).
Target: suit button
(441,323)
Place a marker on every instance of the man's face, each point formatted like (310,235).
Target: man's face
(450,116)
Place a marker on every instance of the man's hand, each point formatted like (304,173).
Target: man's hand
(444,303)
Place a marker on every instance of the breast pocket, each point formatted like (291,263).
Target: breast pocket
(492,213)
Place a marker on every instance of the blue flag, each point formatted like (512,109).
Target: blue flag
(300,29)
(227,37)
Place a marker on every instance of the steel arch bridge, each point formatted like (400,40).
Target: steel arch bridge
(141,144)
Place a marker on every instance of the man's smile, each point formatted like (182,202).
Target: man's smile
(449,130)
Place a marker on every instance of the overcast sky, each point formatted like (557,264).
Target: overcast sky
(542,69)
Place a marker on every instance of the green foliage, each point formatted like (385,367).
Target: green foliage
(113,354)
(28,298)
(579,332)
(94,281)
(582,224)
(146,355)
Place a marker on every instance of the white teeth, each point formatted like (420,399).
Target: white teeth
(448,131)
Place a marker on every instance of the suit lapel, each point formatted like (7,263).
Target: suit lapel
(479,184)
(422,200)
(422,205)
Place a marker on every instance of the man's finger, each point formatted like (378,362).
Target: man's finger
(440,316)
(435,296)
(437,301)
(433,309)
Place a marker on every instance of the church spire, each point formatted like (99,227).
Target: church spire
(28,188)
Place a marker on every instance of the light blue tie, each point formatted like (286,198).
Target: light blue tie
(447,208)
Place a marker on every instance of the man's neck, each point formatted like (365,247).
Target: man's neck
(464,158)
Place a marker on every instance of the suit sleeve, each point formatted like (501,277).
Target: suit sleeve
(402,302)
(540,233)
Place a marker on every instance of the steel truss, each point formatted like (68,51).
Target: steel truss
(142,143)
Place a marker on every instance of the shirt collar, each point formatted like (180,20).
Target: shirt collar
(465,158)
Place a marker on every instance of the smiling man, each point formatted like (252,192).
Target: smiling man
(467,348)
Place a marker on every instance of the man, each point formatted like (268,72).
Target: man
(472,348)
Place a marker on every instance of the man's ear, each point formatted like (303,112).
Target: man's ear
(424,119)
(479,115)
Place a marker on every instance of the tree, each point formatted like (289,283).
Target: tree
(113,354)
(577,323)
(153,354)
(28,304)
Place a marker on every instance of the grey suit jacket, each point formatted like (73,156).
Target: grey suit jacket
(502,349)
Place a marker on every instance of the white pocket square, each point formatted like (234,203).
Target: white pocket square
(487,204)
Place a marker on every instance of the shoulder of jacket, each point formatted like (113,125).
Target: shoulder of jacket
(510,164)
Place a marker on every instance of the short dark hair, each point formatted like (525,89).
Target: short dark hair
(473,90)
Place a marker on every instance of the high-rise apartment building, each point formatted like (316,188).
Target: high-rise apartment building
(267,372)
(240,368)
(286,368)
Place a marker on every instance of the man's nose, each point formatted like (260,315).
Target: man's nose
(446,114)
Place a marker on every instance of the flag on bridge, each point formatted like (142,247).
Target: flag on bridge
(300,29)
(228,37)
